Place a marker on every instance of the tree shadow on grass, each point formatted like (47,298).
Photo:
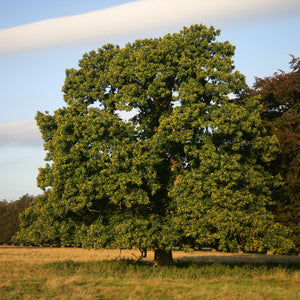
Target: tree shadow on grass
(189,268)
(242,259)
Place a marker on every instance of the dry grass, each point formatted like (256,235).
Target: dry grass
(38,255)
(74,273)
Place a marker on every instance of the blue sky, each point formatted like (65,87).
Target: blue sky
(40,39)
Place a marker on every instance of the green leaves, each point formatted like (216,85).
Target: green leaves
(186,169)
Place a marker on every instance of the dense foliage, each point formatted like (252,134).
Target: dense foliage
(188,169)
(280,97)
(9,217)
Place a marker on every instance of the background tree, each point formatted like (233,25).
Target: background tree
(9,217)
(280,97)
(186,169)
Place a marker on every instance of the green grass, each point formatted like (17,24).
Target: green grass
(181,270)
(128,279)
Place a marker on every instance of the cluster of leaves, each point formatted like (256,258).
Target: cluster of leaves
(280,97)
(187,169)
(9,217)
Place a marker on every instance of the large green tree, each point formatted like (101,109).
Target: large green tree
(280,97)
(188,168)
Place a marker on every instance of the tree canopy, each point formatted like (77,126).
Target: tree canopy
(280,97)
(187,169)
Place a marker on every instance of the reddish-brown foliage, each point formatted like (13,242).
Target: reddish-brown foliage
(280,97)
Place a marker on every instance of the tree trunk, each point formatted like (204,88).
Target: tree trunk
(163,257)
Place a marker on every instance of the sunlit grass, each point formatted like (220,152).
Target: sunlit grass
(72,273)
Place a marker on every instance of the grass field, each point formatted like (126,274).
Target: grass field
(73,273)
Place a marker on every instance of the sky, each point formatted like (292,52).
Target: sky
(39,40)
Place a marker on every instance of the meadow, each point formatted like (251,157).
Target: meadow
(75,273)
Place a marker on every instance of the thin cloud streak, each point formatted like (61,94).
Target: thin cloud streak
(24,133)
(137,19)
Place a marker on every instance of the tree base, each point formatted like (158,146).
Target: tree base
(163,257)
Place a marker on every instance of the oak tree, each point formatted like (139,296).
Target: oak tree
(187,169)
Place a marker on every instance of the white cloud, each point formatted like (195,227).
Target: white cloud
(137,19)
(24,133)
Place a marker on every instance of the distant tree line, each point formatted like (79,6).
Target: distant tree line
(9,217)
